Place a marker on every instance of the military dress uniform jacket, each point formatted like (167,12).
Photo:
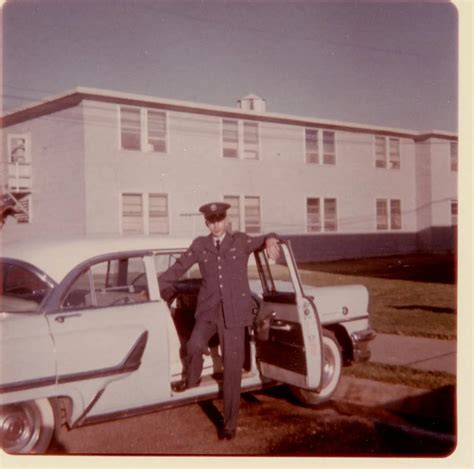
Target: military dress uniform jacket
(224,276)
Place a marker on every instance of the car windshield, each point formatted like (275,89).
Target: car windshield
(21,288)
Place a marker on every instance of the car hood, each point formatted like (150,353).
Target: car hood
(333,302)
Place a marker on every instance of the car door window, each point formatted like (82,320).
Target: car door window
(276,279)
(109,283)
(22,290)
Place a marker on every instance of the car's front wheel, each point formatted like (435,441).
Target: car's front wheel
(27,427)
(332,370)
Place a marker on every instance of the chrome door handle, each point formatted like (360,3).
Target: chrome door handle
(62,317)
(281,326)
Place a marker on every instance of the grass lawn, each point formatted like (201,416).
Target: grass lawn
(400,375)
(408,295)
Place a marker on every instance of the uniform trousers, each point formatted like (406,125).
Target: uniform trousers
(232,342)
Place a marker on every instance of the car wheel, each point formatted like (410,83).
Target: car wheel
(332,369)
(27,427)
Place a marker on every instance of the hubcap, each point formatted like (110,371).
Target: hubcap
(18,427)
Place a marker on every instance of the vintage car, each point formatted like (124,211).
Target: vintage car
(87,338)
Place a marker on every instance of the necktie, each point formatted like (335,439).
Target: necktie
(218,244)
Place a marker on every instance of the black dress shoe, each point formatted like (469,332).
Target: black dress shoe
(183,385)
(226,434)
(180,386)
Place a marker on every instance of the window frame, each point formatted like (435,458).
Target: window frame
(246,224)
(324,220)
(321,153)
(242,146)
(145,214)
(150,195)
(27,141)
(453,156)
(144,132)
(390,221)
(454,216)
(389,161)
(93,287)
(319,224)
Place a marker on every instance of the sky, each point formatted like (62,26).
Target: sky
(383,63)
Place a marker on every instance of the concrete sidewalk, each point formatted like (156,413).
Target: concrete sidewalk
(393,400)
(416,352)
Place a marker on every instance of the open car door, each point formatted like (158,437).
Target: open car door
(288,333)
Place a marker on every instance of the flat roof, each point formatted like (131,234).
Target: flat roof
(73,97)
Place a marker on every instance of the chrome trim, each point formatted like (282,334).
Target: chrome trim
(360,344)
(363,336)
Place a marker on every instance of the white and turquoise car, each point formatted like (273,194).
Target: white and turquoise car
(85,336)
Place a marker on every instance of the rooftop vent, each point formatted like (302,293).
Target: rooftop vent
(252,102)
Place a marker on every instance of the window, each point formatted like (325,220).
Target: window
(158,214)
(252,215)
(311,140)
(134,208)
(313,215)
(394,153)
(156,131)
(315,220)
(330,215)
(251,140)
(230,136)
(110,283)
(329,147)
(143,130)
(454,212)
(233,214)
(18,148)
(453,153)
(395,214)
(22,289)
(381,152)
(240,134)
(132,214)
(130,128)
(315,145)
(389,210)
(382,214)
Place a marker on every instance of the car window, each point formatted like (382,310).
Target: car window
(113,282)
(22,289)
(276,279)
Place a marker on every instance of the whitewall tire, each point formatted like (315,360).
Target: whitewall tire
(332,370)
(27,427)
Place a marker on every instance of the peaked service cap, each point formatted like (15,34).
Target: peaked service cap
(214,211)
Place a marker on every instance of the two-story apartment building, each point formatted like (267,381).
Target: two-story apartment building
(93,162)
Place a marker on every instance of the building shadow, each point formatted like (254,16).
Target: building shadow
(431,309)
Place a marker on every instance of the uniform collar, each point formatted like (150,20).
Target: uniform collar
(226,241)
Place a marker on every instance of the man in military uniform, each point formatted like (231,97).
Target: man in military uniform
(224,302)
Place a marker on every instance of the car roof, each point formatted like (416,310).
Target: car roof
(57,257)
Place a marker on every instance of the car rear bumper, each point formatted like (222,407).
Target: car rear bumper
(360,344)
